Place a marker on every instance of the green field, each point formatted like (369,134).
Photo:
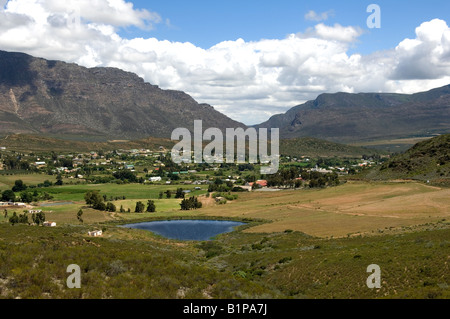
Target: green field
(309,243)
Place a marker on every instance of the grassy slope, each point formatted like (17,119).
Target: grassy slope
(313,147)
(128,263)
(427,160)
(39,143)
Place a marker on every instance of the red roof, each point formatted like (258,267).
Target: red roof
(262,183)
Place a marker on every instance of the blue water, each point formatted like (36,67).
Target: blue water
(199,230)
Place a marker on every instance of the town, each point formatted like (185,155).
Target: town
(49,181)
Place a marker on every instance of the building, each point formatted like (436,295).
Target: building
(155,179)
(96,233)
(49,224)
(31,211)
(247,188)
(262,183)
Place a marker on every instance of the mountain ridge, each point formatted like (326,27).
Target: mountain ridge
(39,96)
(347,117)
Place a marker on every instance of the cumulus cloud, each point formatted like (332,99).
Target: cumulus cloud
(427,56)
(333,33)
(248,81)
(317,17)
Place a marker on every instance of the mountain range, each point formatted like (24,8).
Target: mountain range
(44,97)
(39,96)
(346,118)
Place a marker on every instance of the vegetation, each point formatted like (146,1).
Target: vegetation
(190,204)
(426,161)
(136,264)
(310,235)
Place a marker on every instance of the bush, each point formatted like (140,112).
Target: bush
(110,207)
(151,208)
(140,207)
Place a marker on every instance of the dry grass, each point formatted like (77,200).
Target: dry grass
(352,208)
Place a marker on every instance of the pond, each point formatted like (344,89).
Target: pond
(199,230)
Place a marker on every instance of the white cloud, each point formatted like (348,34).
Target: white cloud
(317,17)
(249,81)
(333,33)
(426,57)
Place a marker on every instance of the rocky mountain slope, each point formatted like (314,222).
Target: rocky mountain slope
(344,117)
(51,97)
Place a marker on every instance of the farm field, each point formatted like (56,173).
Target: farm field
(354,208)
(308,243)
(350,209)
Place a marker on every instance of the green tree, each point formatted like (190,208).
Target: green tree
(179,193)
(8,196)
(26,197)
(95,200)
(151,208)
(168,194)
(59,180)
(161,195)
(23,218)
(19,186)
(39,218)
(122,210)
(79,216)
(140,207)
(191,203)
(14,219)
(110,207)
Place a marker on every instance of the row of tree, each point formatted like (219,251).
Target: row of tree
(38,218)
(190,203)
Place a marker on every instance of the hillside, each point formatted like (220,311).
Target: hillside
(346,118)
(38,96)
(293,147)
(314,147)
(426,161)
(37,143)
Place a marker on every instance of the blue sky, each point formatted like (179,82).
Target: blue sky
(206,23)
(249,59)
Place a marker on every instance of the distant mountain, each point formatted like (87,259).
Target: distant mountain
(38,96)
(345,118)
(427,160)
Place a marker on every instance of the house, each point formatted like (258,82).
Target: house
(31,211)
(40,164)
(95,233)
(262,183)
(49,224)
(156,179)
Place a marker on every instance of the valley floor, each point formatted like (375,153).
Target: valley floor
(302,244)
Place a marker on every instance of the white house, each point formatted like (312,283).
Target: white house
(95,233)
(49,224)
(156,179)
